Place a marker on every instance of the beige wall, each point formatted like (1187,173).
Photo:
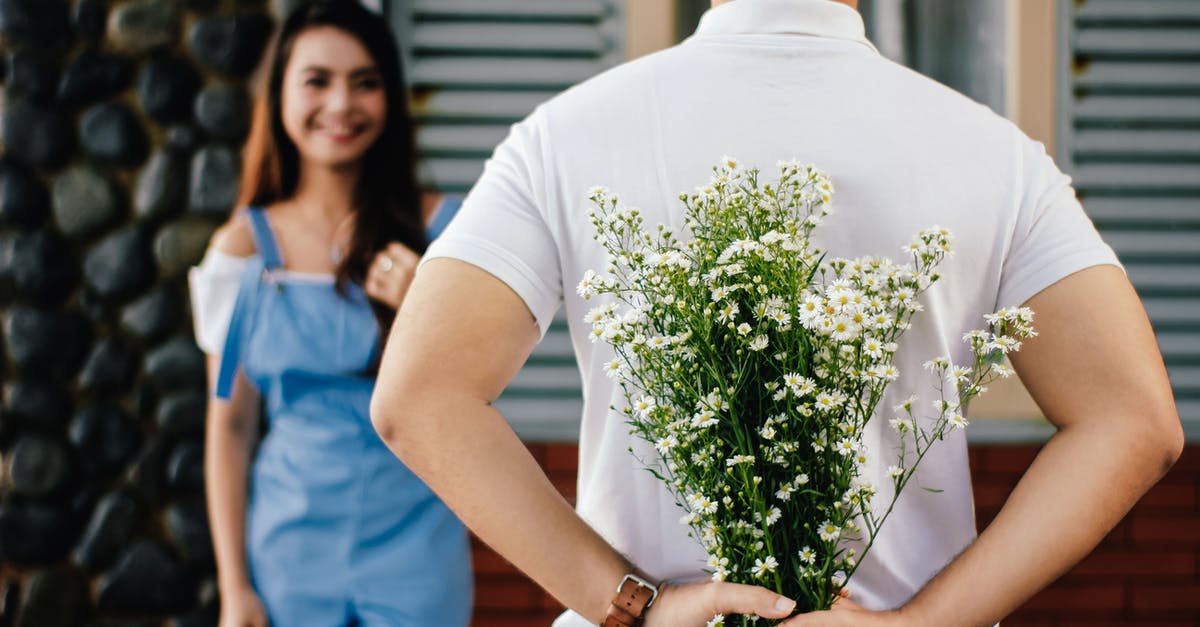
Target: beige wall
(649,26)
(1029,85)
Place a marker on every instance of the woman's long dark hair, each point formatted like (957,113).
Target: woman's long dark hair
(387,200)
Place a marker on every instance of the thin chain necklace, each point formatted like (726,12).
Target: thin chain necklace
(335,249)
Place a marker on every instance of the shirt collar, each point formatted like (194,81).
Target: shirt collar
(817,18)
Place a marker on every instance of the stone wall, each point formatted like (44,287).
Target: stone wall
(122,127)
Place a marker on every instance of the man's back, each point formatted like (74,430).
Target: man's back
(763,81)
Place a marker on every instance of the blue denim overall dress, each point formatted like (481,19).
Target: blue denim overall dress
(338,530)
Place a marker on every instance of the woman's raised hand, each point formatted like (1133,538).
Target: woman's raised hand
(390,274)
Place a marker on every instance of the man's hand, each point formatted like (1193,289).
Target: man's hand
(695,604)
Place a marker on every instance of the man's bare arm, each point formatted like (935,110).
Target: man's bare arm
(459,338)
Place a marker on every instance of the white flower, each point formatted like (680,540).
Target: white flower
(829,531)
(895,471)
(614,369)
(644,406)
(587,285)
(704,418)
(665,444)
(758,343)
(767,432)
(773,515)
(739,459)
(702,504)
(764,566)
(728,312)
(957,421)
(1002,370)
(719,619)
(744,329)
(807,555)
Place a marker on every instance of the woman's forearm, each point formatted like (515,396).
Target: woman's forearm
(226,464)
(231,428)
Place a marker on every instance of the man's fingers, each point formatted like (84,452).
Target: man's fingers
(733,598)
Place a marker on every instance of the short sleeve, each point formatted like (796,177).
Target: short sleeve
(213,286)
(1053,236)
(501,227)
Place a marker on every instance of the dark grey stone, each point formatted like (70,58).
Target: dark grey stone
(143,25)
(187,525)
(97,310)
(35,22)
(32,534)
(42,266)
(176,364)
(33,73)
(223,111)
(93,76)
(110,528)
(111,133)
(146,579)
(185,467)
(148,474)
(40,466)
(182,413)
(181,245)
(106,436)
(161,190)
(89,17)
(45,343)
(54,598)
(153,316)
(182,139)
(230,44)
(24,200)
(41,404)
(40,135)
(166,88)
(85,201)
(109,369)
(214,180)
(120,266)
(200,5)
(206,615)
(10,597)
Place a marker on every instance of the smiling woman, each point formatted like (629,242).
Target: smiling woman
(290,305)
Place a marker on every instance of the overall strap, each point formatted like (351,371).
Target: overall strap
(239,323)
(264,239)
(450,206)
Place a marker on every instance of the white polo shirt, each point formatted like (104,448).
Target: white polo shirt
(769,80)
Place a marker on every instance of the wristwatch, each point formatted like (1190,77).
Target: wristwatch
(634,596)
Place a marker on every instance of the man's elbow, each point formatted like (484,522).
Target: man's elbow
(1164,437)
(388,417)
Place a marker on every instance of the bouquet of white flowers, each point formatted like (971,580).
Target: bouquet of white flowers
(753,364)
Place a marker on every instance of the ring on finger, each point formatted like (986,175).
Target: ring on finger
(386,264)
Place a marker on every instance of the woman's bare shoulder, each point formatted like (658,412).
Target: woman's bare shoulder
(235,237)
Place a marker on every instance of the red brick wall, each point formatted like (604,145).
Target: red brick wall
(1145,573)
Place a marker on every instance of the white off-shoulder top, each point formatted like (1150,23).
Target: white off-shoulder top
(213,286)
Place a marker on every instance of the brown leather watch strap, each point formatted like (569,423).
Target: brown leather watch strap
(627,608)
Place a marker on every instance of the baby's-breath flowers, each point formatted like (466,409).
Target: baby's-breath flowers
(752,363)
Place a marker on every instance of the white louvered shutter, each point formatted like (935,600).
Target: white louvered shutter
(1129,134)
(476,67)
